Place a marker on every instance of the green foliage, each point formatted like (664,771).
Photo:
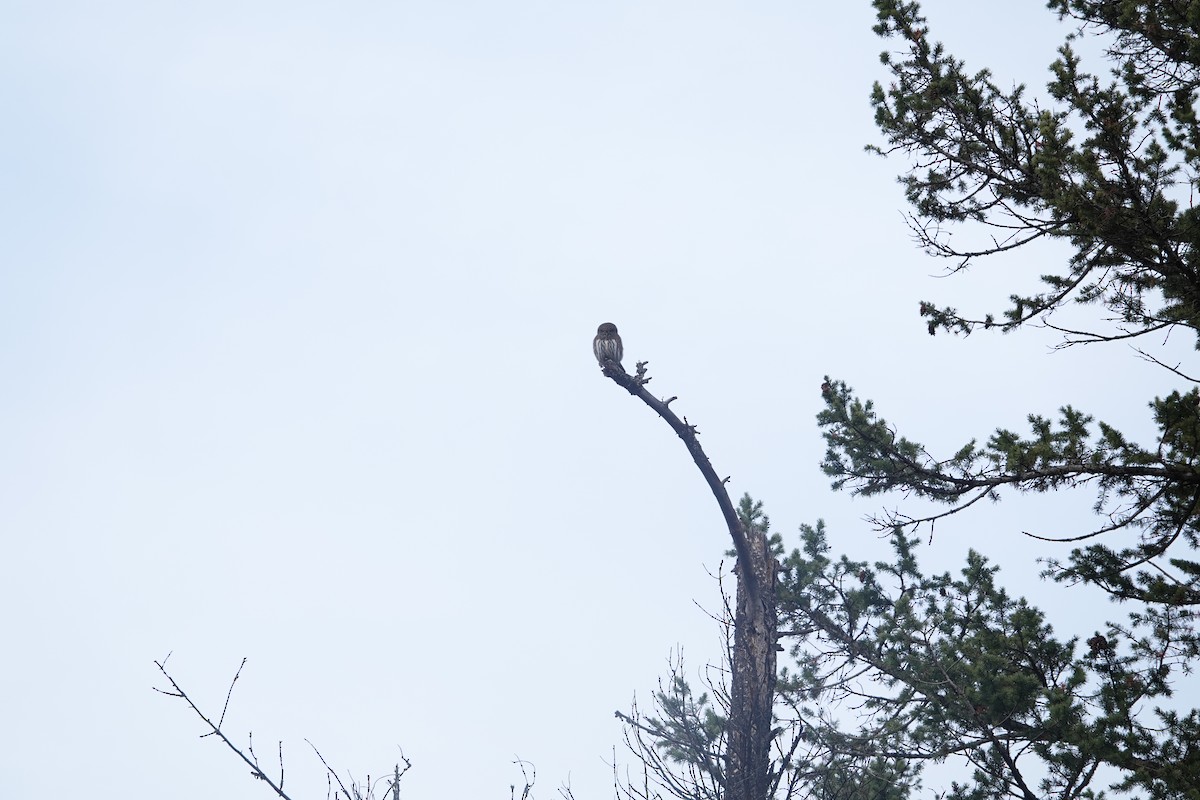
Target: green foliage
(687,724)
(1095,164)
(1101,166)
(750,513)
(1153,492)
(1109,166)
(940,666)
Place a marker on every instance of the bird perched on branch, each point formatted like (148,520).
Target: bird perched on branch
(607,344)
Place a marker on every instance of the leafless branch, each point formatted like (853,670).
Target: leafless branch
(635,384)
(251,758)
(1175,370)
(215,730)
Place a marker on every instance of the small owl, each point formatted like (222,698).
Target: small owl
(607,344)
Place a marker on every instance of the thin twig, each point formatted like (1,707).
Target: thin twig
(215,730)
(229,694)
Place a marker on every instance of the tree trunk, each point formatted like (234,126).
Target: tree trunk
(748,754)
(752,691)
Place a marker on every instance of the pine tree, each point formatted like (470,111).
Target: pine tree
(1005,163)
(1107,165)
(895,668)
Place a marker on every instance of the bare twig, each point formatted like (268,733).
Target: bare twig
(229,694)
(330,771)
(1147,357)
(525,775)
(251,758)
(215,729)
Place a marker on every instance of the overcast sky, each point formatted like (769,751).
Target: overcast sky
(296,303)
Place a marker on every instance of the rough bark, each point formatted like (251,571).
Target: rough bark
(752,693)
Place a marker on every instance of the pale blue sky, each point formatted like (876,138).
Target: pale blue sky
(296,302)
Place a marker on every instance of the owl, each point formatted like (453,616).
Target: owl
(607,344)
